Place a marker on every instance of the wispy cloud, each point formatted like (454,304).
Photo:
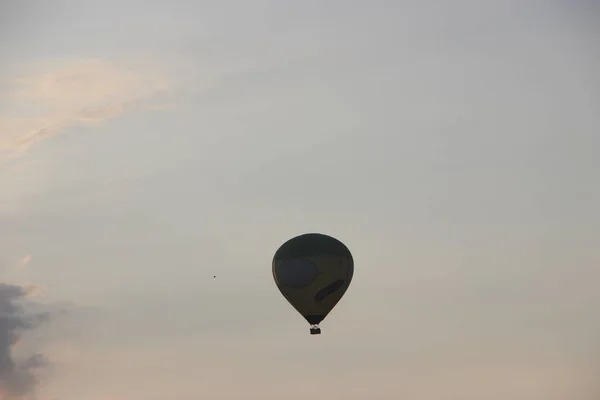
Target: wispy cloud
(75,93)
(25,260)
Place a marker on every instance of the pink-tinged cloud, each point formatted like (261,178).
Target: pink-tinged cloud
(75,93)
(25,260)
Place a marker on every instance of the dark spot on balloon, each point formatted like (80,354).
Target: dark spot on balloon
(328,290)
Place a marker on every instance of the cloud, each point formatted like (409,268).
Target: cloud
(55,97)
(17,376)
(25,260)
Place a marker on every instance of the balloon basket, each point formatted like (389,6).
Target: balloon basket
(315,330)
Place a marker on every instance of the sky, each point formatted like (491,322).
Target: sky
(147,146)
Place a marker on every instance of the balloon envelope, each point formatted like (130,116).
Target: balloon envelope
(313,271)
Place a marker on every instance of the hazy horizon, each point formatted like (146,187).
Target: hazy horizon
(146,147)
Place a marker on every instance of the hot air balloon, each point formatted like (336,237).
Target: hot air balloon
(313,271)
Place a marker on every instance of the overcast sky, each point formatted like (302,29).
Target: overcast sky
(147,146)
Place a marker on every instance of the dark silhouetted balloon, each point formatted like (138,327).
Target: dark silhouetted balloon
(313,271)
